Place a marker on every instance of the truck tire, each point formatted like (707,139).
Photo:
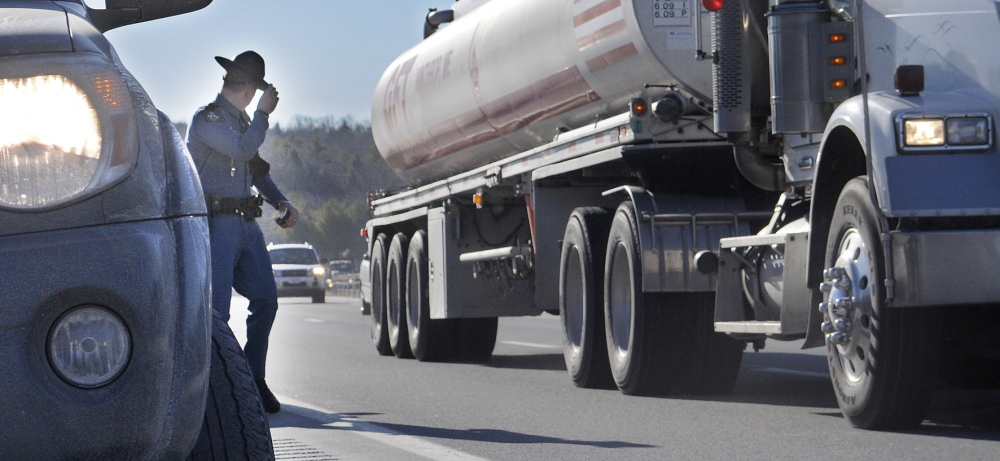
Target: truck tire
(235,426)
(319,298)
(581,298)
(475,338)
(429,339)
(380,330)
(883,362)
(638,352)
(395,297)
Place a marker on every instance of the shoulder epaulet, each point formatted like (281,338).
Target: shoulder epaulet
(211,113)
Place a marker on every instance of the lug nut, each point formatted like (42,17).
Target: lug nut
(834,273)
(827,327)
(838,338)
(842,325)
(843,303)
(823,308)
(825,287)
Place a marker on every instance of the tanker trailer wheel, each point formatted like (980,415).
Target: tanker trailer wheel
(581,303)
(380,330)
(637,331)
(883,362)
(235,426)
(429,339)
(395,301)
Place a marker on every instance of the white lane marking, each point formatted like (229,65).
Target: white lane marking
(786,371)
(314,320)
(535,345)
(378,433)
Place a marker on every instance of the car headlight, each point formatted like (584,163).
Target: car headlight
(69,129)
(89,346)
(953,132)
(318,271)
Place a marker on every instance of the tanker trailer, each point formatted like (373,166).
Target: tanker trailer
(563,156)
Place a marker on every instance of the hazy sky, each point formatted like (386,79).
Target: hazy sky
(324,56)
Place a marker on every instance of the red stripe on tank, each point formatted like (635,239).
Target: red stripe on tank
(601,34)
(549,97)
(595,11)
(611,57)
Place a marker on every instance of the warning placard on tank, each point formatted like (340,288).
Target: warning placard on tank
(672,12)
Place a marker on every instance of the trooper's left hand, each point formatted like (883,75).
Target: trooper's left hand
(293,216)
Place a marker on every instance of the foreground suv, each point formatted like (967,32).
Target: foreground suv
(298,271)
(115,354)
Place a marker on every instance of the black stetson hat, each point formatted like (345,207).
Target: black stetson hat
(247,67)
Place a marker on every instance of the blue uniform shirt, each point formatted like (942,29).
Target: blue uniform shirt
(222,139)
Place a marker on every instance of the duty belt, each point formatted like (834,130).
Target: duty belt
(247,207)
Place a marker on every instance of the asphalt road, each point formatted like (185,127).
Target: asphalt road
(342,401)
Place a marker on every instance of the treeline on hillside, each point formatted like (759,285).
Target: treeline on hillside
(326,167)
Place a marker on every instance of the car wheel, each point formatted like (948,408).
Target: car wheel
(235,426)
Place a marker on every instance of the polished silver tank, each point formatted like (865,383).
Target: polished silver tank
(508,75)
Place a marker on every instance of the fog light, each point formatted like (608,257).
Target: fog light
(89,346)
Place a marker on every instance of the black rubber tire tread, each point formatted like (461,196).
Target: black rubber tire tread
(716,357)
(429,339)
(235,426)
(319,298)
(379,330)
(475,338)
(395,296)
(905,356)
(584,245)
(642,366)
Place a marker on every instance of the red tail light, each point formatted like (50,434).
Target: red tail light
(713,5)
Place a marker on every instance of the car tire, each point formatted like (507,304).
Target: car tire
(319,297)
(235,426)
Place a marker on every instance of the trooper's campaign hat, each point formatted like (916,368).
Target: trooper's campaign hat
(247,67)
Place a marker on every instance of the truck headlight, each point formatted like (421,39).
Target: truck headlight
(924,132)
(318,271)
(968,131)
(921,133)
(68,129)
(89,346)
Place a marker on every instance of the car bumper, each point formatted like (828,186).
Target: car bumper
(154,275)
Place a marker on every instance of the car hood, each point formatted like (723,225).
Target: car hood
(293,266)
(33,27)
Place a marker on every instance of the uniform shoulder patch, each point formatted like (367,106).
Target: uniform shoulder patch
(212,116)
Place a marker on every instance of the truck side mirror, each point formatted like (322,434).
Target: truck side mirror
(119,13)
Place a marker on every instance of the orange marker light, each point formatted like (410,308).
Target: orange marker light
(639,107)
(838,61)
(838,38)
(838,83)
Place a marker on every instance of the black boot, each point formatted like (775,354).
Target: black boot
(271,404)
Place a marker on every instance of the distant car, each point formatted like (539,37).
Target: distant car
(298,271)
(118,354)
(339,271)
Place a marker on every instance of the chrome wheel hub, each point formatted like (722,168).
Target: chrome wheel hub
(847,305)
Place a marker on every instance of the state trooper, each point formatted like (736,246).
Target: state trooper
(223,141)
